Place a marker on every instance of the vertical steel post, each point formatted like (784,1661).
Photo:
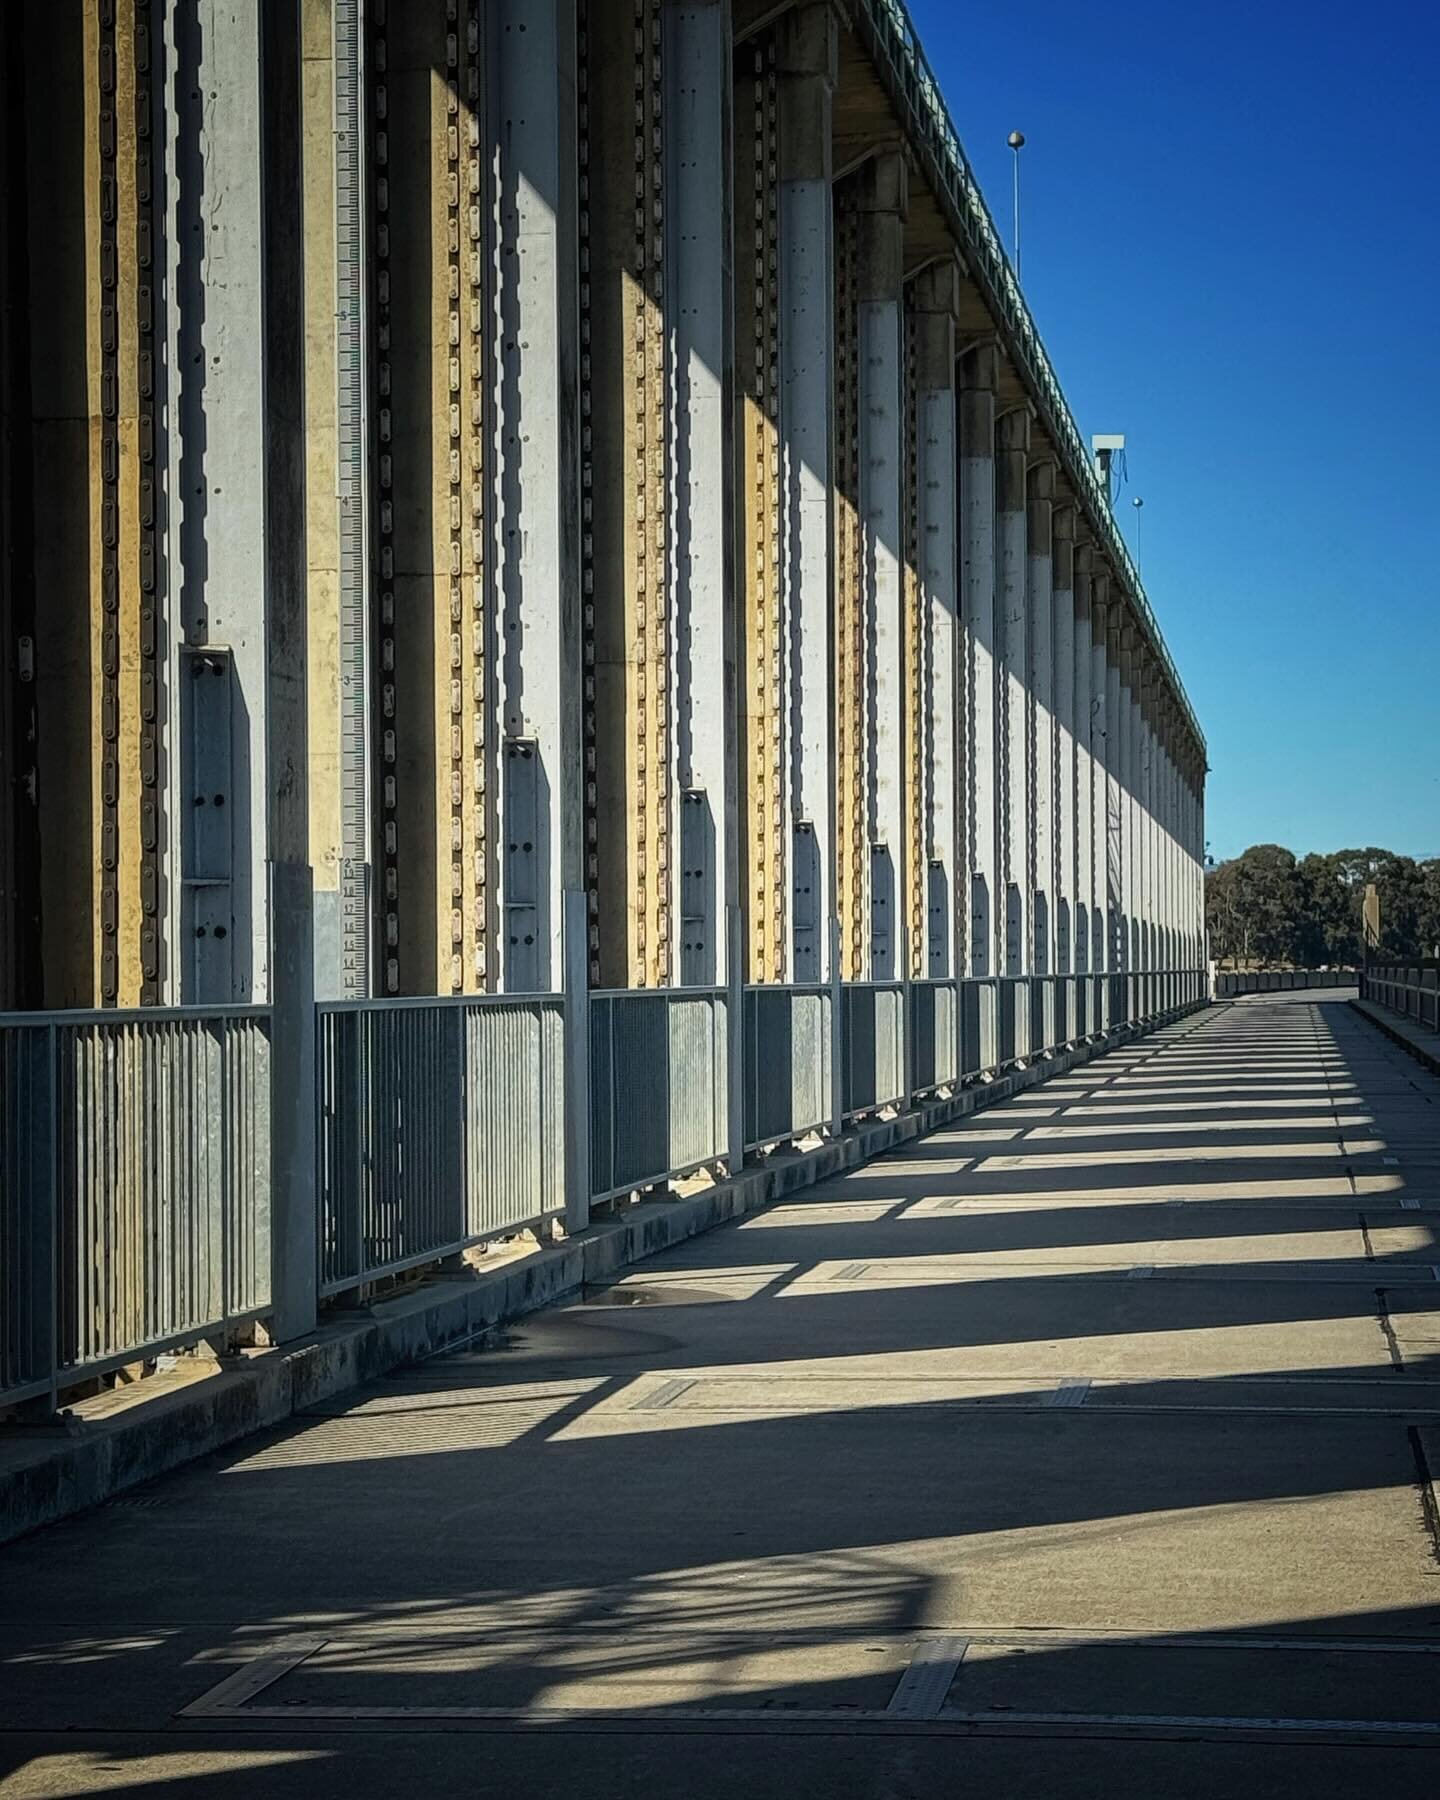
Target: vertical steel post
(1012,454)
(697,226)
(1039,600)
(1084,808)
(882,200)
(735,1069)
(575,913)
(808,53)
(266,53)
(352,378)
(837,1032)
(978,376)
(907,1022)
(534,499)
(1063,823)
(935,301)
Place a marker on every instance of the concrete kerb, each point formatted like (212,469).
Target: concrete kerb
(1423,1045)
(119,1442)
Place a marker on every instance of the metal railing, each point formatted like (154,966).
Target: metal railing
(440,1123)
(134,1187)
(1230,982)
(136,1160)
(901,63)
(659,1085)
(1410,989)
(787,1055)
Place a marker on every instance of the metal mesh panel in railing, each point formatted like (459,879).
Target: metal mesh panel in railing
(1080,1026)
(979,1025)
(441,1123)
(1014,1014)
(659,1073)
(873,1017)
(1042,1013)
(787,1062)
(934,1054)
(134,1186)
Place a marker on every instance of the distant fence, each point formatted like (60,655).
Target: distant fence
(1230,982)
(136,1160)
(1412,990)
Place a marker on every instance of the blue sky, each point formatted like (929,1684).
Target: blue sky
(1229,242)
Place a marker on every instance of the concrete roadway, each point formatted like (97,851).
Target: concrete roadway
(1080,1449)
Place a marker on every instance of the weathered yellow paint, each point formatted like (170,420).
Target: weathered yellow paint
(760,598)
(322,520)
(435,376)
(762,603)
(128,275)
(59,52)
(625,486)
(473,748)
(90,124)
(647,658)
(447,924)
(851,725)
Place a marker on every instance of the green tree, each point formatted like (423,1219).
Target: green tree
(1264,906)
(1332,929)
(1257,906)
(1428,932)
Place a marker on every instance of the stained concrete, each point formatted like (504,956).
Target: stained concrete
(1047,1453)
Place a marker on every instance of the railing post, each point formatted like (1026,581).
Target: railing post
(45,1293)
(837,1034)
(907,1023)
(735,1037)
(294,1127)
(576,997)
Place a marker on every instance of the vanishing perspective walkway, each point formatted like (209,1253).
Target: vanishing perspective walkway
(1084,1447)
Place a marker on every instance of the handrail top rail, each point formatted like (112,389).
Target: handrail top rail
(437,1002)
(132,1015)
(705,991)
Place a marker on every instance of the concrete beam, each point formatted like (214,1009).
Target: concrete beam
(627,496)
(1017,825)
(1083,719)
(880,199)
(1100,757)
(338,598)
(935,730)
(980,648)
(807,59)
(1063,600)
(1039,578)
(1116,771)
(697,48)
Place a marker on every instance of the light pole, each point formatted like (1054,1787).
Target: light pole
(1137,503)
(1016,142)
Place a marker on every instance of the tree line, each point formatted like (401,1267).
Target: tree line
(1270,907)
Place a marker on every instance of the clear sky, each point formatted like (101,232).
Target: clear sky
(1230,240)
